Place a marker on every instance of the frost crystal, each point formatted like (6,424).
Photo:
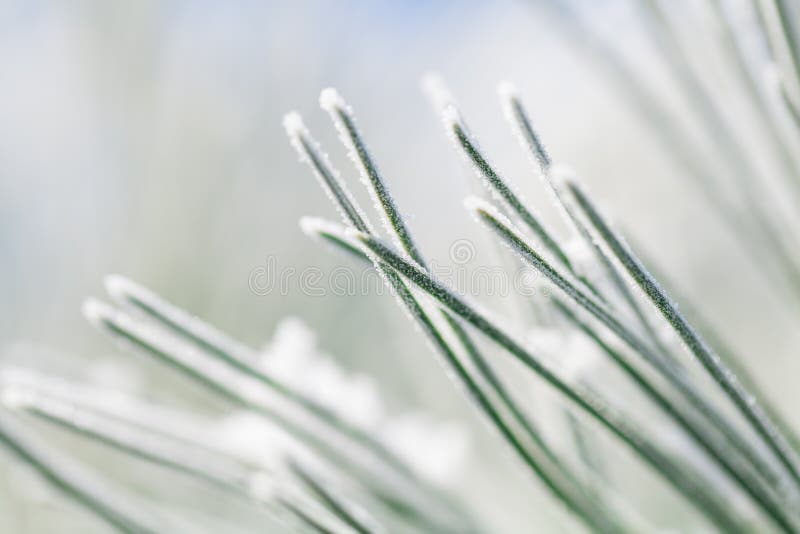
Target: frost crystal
(293,123)
(434,87)
(314,226)
(330,100)
(507,90)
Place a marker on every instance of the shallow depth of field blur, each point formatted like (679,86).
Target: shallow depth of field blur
(145,138)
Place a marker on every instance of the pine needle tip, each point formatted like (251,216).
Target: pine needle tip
(507,90)
(97,312)
(434,87)
(330,100)
(293,124)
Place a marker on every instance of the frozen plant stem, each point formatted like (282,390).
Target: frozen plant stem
(728,355)
(669,367)
(341,456)
(521,123)
(731,465)
(151,445)
(498,185)
(743,400)
(595,520)
(144,444)
(697,492)
(243,359)
(76,485)
(344,119)
(353,216)
(489,216)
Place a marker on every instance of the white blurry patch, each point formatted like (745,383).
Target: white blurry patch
(436,90)
(250,438)
(11,397)
(580,255)
(434,448)
(571,353)
(293,357)
(438,449)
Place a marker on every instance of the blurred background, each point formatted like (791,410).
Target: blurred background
(145,138)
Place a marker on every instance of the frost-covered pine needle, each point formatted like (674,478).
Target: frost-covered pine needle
(488,215)
(744,401)
(697,491)
(240,357)
(309,151)
(344,472)
(521,123)
(567,490)
(65,475)
(349,458)
(343,118)
(464,141)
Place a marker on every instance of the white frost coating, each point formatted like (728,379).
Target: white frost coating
(507,91)
(293,124)
(452,117)
(314,226)
(508,94)
(310,153)
(334,104)
(354,235)
(330,100)
(436,90)
(97,312)
(121,288)
(477,205)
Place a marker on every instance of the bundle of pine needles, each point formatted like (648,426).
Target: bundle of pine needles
(739,468)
